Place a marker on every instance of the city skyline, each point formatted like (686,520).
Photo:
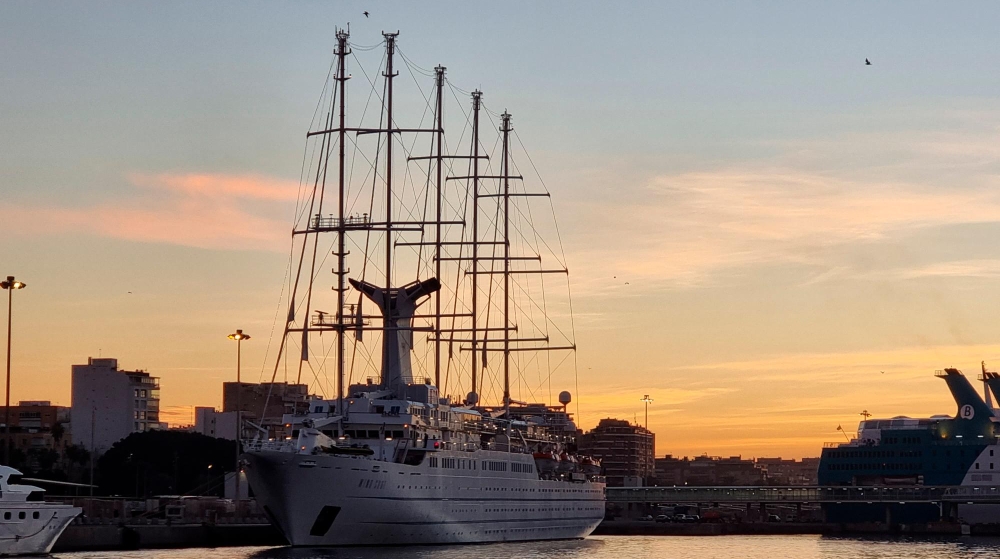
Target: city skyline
(766,240)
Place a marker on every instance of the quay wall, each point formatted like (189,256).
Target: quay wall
(107,536)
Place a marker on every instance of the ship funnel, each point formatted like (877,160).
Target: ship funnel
(970,405)
(397,305)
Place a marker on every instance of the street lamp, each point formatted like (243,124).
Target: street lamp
(239,336)
(10,285)
(647,400)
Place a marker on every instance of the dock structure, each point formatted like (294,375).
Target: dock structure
(891,505)
(961,494)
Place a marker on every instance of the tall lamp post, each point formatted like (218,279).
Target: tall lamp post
(647,400)
(239,336)
(10,285)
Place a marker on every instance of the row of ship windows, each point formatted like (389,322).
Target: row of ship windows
(879,454)
(514,489)
(878,467)
(21,515)
(367,434)
(488,465)
(904,440)
(991,464)
(549,509)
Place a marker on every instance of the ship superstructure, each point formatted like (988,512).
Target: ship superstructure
(442,268)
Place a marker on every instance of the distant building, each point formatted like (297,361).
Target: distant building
(790,472)
(735,470)
(625,451)
(110,404)
(37,424)
(213,423)
(708,470)
(264,404)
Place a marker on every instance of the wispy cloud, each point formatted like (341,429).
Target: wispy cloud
(200,210)
(690,226)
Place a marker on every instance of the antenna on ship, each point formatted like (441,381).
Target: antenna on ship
(986,387)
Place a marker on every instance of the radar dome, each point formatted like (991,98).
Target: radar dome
(472,399)
(565,397)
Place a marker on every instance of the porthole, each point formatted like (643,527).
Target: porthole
(21,515)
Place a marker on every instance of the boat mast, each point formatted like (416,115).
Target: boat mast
(477,98)
(342,78)
(439,79)
(390,50)
(505,128)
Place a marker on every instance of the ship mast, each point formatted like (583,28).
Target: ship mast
(505,173)
(342,78)
(439,80)
(477,99)
(390,50)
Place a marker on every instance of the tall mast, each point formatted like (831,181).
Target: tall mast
(390,50)
(505,128)
(341,254)
(439,75)
(477,98)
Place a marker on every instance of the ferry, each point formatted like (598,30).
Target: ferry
(942,450)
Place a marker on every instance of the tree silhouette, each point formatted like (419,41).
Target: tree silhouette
(165,463)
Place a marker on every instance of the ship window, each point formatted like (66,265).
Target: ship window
(34,515)
(21,515)
(991,465)
(977,465)
(373,434)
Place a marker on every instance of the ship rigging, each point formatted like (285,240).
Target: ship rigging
(475,233)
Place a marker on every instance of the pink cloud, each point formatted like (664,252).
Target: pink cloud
(200,210)
(217,185)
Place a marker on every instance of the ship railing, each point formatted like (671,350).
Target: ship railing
(331,222)
(838,444)
(268,445)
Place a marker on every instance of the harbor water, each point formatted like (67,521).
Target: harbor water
(614,547)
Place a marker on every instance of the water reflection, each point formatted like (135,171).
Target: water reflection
(615,547)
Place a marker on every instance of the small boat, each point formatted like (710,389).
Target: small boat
(29,525)
(546,462)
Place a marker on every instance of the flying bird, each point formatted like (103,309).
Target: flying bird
(366,14)
(867,62)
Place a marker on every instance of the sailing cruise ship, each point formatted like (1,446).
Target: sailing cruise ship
(439,286)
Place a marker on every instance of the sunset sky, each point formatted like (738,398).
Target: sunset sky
(803,236)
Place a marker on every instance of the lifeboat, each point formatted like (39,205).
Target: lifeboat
(546,461)
(591,466)
(567,463)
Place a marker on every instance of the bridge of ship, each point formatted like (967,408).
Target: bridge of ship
(805,494)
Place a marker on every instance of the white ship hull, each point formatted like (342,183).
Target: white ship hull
(318,500)
(23,534)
